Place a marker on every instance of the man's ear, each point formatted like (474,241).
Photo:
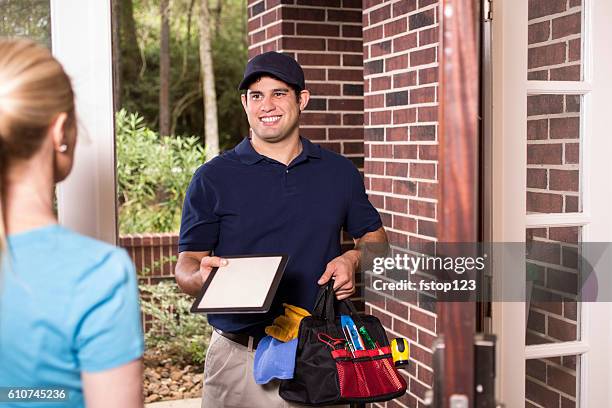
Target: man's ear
(304,98)
(56,129)
(243,99)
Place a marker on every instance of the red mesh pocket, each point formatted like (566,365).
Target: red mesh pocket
(350,378)
(369,374)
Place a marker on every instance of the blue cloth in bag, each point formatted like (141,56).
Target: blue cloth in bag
(274,359)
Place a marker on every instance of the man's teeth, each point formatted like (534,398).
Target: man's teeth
(270,119)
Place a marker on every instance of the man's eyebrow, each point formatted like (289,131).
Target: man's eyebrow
(286,90)
(274,90)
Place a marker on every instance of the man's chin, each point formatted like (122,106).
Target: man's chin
(270,137)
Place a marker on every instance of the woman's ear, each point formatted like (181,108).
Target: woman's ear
(58,133)
(64,142)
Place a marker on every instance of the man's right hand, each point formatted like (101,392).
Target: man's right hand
(192,270)
(208,263)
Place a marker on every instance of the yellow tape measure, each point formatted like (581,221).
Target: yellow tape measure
(400,350)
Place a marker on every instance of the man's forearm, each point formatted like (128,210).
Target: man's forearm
(187,275)
(372,243)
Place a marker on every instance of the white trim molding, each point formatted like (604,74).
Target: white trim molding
(508,205)
(81,41)
(568,348)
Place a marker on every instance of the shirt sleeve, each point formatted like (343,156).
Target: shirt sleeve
(199,223)
(361,216)
(109,332)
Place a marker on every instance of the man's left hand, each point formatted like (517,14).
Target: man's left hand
(342,269)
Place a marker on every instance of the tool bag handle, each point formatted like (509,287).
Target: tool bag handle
(325,305)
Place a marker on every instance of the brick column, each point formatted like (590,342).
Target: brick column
(324,36)
(400,40)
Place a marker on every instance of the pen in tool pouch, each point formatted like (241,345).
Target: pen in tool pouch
(366,338)
(349,341)
(347,322)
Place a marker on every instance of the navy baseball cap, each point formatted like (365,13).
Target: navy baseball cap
(275,64)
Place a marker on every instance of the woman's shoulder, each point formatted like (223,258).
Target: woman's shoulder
(89,251)
(93,247)
(94,255)
(76,255)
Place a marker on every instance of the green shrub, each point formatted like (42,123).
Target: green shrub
(153,174)
(175,331)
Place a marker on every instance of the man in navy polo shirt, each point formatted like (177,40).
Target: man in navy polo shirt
(275,192)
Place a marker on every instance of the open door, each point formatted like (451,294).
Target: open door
(460,214)
(551,190)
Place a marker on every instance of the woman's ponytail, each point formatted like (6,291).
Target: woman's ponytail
(33,89)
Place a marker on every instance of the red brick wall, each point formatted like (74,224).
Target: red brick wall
(553,186)
(553,125)
(401,152)
(324,36)
(394,126)
(553,153)
(554,39)
(552,382)
(154,255)
(552,270)
(553,122)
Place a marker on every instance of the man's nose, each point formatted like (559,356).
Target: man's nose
(267,105)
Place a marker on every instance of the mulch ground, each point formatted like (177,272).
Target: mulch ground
(166,380)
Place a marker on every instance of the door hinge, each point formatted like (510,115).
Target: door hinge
(487,10)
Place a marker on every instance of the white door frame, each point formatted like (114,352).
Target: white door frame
(509,163)
(509,147)
(81,41)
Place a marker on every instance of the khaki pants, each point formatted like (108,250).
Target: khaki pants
(229,381)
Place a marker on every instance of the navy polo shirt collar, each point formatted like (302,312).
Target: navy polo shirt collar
(248,154)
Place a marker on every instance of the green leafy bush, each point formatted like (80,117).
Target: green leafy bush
(153,174)
(181,335)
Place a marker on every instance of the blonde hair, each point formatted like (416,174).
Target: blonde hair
(34,89)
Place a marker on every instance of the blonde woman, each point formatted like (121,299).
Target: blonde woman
(69,313)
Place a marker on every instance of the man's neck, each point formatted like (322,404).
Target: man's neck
(283,151)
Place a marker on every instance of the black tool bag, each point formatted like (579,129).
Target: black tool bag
(326,373)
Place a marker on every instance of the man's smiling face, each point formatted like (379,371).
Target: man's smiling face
(273,109)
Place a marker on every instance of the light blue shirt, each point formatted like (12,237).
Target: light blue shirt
(68,304)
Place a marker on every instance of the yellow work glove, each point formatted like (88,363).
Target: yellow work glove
(285,327)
